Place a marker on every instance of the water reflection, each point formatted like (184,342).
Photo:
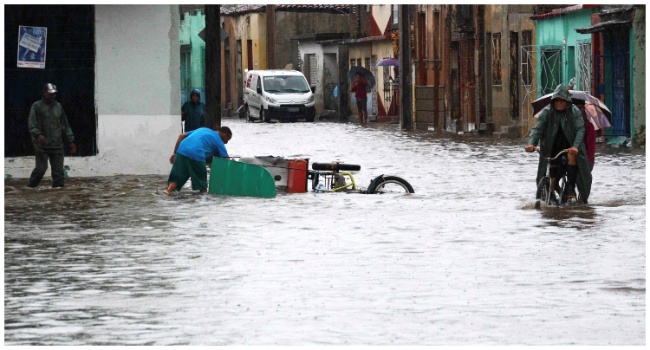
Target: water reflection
(580,217)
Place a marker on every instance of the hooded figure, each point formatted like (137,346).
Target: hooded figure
(193,112)
(556,130)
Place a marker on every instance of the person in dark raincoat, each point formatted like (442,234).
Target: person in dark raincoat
(560,126)
(50,131)
(193,112)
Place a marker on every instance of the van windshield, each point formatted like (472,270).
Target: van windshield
(280,84)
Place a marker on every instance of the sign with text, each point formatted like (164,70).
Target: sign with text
(31,47)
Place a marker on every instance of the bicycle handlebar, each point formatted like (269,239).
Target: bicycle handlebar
(556,156)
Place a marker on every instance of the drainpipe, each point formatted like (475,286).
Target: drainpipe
(436,72)
(270,36)
(405,68)
(212,66)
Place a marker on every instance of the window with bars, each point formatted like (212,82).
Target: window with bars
(186,72)
(584,66)
(527,64)
(496,59)
(312,68)
(551,62)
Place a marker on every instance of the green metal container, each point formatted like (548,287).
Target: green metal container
(230,177)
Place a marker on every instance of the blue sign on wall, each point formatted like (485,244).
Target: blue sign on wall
(31,47)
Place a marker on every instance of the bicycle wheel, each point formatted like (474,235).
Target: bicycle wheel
(543,192)
(389,184)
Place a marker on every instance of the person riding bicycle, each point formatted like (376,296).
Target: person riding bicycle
(560,126)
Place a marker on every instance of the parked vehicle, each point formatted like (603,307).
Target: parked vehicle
(278,94)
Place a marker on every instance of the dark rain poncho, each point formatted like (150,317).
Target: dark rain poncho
(193,113)
(572,125)
(49,120)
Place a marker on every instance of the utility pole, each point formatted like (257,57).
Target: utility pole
(405,86)
(212,66)
(270,37)
(436,69)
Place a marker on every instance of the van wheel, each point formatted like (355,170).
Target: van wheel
(264,117)
(249,118)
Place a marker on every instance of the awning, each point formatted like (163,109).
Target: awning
(600,27)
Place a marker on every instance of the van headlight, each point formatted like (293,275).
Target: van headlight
(270,99)
(310,99)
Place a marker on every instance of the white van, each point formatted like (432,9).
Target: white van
(278,94)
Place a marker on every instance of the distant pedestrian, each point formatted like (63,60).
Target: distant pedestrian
(193,112)
(192,150)
(50,132)
(359,87)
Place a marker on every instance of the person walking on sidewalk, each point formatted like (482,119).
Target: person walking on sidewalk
(190,154)
(50,131)
(359,87)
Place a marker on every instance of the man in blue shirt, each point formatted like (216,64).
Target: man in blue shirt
(190,154)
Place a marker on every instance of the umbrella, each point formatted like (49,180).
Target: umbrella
(576,95)
(597,116)
(366,74)
(388,61)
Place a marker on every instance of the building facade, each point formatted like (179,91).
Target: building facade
(134,109)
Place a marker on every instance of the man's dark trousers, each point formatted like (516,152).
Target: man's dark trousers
(55,156)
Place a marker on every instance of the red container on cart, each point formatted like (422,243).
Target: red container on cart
(297,177)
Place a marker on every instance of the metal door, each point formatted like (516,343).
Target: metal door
(620,83)
(551,69)
(467,85)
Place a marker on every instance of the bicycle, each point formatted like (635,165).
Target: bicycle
(546,187)
(338,177)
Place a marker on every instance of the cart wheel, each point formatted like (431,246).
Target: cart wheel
(390,184)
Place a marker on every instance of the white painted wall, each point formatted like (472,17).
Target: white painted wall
(137,93)
(309,47)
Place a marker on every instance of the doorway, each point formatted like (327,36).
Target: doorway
(69,64)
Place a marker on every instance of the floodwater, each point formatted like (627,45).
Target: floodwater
(466,260)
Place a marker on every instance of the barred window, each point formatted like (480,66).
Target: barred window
(496,59)
(527,66)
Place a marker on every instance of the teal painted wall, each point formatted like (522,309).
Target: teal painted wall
(194,74)
(552,31)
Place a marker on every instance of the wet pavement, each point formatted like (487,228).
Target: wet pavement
(466,260)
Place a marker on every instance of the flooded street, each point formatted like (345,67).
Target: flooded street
(466,260)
